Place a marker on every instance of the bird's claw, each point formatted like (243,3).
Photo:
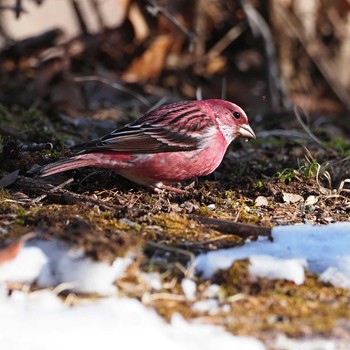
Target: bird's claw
(161,188)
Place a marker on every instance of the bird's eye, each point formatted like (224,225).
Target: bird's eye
(236,115)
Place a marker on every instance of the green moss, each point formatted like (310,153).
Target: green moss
(259,185)
(177,226)
(4,193)
(339,144)
(281,305)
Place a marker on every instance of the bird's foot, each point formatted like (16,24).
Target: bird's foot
(161,188)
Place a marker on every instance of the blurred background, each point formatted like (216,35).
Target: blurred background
(264,55)
(72,70)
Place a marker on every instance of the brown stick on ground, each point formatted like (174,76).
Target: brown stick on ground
(234,228)
(38,187)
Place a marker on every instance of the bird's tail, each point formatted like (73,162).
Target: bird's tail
(62,165)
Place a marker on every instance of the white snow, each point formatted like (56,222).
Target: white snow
(51,263)
(25,268)
(284,343)
(189,288)
(294,248)
(274,268)
(40,321)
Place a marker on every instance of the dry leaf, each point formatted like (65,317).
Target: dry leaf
(260,201)
(292,198)
(151,63)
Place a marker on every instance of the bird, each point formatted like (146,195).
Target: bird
(170,144)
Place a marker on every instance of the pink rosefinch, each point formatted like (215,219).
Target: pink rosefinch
(172,143)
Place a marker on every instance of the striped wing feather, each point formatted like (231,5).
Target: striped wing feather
(177,127)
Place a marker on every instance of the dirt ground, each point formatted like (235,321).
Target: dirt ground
(271,181)
(296,171)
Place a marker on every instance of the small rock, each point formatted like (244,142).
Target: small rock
(309,203)
(211,207)
(311,200)
(292,197)
(261,201)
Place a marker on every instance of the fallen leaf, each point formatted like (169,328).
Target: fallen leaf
(151,63)
(292,197)
(261,201)
(311,200)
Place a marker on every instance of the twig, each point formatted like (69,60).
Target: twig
(200,28)
(148,299)
(18,8)
(225,41)
(203,243)
(40,187)
(54,189)
(172,249)
(306,128)
(34,147)
(78,13)
(96,6)
(292,134)
(158,104)
(114,85)
(31,45)
(153,8)
(234,228)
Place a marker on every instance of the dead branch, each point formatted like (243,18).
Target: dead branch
(234,228)
(39,188)
(79,15)
(114,85)
(154,9)
(312,136)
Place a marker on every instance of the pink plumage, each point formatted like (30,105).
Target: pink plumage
(172,143)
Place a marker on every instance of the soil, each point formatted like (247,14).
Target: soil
(271,181)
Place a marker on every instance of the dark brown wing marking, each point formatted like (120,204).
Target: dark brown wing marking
(177,127)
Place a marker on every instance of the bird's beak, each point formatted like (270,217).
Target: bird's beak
(246,131)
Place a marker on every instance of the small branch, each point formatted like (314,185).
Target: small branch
(312,136)
(114,85)
(200,27)
(225,41)
(289,134)
(96,6)
(59,187)
(234,228)
(153,8)
(79,15)
(39,187)
(34,147)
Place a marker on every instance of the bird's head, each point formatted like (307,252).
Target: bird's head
(231,119)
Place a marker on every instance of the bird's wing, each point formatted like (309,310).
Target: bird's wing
(181,128)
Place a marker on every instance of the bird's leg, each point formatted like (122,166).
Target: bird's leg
(160,187)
